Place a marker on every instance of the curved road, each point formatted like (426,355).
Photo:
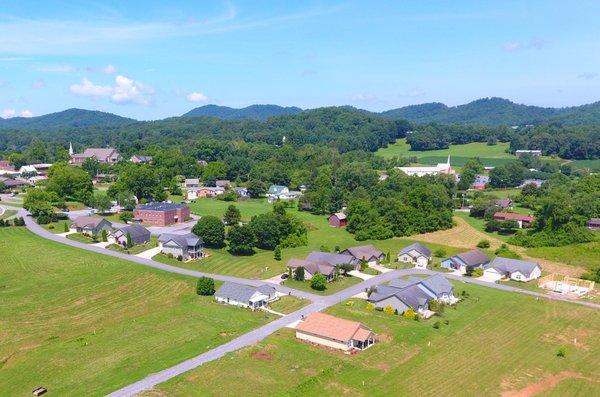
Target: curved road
(318,303)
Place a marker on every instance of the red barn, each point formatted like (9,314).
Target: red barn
(338,220)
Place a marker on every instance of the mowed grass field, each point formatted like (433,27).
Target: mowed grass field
(585,255)
(262,264)
(491,155)
(496,342)
(80,324)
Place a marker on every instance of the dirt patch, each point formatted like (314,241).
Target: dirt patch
(310,372)
(545,384)
(262,356)
(384,338)
(572,337)
(335,386)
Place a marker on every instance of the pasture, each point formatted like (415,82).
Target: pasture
(494,343)
(79,323)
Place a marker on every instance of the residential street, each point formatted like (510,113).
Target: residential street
(319,303)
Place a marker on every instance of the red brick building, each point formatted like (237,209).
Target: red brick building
(161,214)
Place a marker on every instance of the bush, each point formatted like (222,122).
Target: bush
(324,248)
(104,235)
(170,255)
(562,352)
(126,216)
(370,306)
(179,258)
(299,274)
(437,325)
(506,253)
(65,227)
(410,314)
(440,253)
(277,253)
(475,272)
(318,282)
(51,226)
(483,244)
(205,286)
(388,310)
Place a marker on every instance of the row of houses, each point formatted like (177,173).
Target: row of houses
(104,156)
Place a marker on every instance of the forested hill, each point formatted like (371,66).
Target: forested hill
(255,112)
(70,118)
(496,111)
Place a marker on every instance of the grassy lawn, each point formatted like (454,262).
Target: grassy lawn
(495,342)
(491,155)
(502,193)
(57,227)
(136,249)
(586,255)
(288,304)
(479,224)
(371,271)
(248,208)
(7,214)
(591,164)
(84,324)
(81,238)
(332,287)
(114,218)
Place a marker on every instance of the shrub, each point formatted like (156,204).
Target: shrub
(126,216)
(483,244)
(205,286)
(389,310)
(104,235)
(363,264)
(65,227)
(299,274)
(437,325)
(170,255)
(179,258)
(440,253)
(370,306)
(446,321)
(50,226)
(277,253)
(410,314)
(318,282)
(478,272)
(324,248)
(562,352)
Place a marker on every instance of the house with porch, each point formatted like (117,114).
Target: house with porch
(417,254)
(246,296)
(187,246)
(90,225)
(334,332)
(522,220)
(311,268)
(514,269)
(466,261)
(278,192)
(365,252)
(138,234)
(334,259)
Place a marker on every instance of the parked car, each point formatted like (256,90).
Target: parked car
(284,276)
(39,391)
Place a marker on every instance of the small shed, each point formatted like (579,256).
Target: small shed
(338,220)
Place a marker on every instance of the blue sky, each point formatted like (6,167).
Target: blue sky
(151,60)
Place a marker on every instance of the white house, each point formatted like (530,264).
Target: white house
(245,295)
(277,192)
(513,269)
(417,254)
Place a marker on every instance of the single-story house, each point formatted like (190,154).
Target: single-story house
(503,203)
(365,252)
(466,261)
(241,191)
(188,246)
(521,219)
(34,180)
(515,269)
(311,268)
(28,170)
(521,152)
(138,233)
(203,191)
(191,183)
(593,224)
(415,253)
(277,192)
(338,219)
(13,184)
(140,159)
(334,259)
(415,293)
(245,295)
(481,181)
(90,225)
(333,332)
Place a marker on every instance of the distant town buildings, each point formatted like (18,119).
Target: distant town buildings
(103,155)
(535,153)
(439,169)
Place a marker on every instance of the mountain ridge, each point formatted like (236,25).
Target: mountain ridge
(256,112)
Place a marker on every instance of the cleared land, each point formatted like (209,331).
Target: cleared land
(495,343)
(584,255)
(85,324)
(262,264)
(491,155)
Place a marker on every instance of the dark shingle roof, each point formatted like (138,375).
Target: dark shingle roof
(438,284)
(364,251)
(417,247)
(474,257)
(183,240)
(331,258)
(512,265)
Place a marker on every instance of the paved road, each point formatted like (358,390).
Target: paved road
(318,303)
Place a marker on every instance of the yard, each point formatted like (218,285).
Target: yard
(586,255)
(7,214)
(288,304)
(136,249)
(79,323)
(57,227)
(332,287)
(82,238)
(496,342)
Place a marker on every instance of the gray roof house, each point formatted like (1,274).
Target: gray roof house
(192,182)
(139,234)
(414,292)
(245,295)
(311,268)
(466,260)
(90,225)
(515,269)
(333,259)
(504,203)
(418,248)
(277,190)
(415,253)
(366,252)
(188,246)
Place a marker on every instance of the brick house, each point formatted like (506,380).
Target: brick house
(161,214)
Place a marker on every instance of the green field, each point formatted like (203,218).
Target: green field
(586,255)
(491,155)
(57,227)
(479,224)
(495,342)
(591,164)
(262,264)
(81,324)
(288,304)
(81,238)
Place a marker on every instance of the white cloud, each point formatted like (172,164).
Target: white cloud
(109,69)
(8,113)
(196,97)
(587,75)
(131,91)
(124,91)
(87,88)
(26,113)
(363,98)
